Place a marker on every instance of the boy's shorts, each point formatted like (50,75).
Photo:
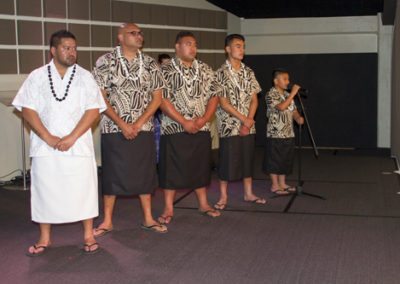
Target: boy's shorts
(279,156)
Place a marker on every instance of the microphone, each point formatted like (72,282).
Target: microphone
(302,92)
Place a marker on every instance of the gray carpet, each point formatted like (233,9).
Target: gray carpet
(352,237)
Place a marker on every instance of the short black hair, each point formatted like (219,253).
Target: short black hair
(231,37)
(278,71)
(183,34)
(163,56)
(57,36)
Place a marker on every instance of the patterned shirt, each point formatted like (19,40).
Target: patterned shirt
(279,123)
(128,97)
(239,91)
(188,89)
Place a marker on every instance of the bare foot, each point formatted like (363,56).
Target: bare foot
(166,217)
(221,204)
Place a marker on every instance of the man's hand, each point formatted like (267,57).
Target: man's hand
(52,140)
(295,89)
(66,143)
(248,122)
(244,131)
(190,126)
(200,122)
(136,127)
(128,131)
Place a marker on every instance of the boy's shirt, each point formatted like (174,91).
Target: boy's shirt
(279,123)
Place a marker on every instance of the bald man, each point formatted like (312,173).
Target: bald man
(132,85)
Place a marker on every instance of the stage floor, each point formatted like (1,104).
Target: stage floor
(351,237)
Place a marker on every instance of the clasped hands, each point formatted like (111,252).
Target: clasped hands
(247,124)
(60,144)
(131,130)
(193,126)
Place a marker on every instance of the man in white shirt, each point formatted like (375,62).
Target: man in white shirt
(61,101)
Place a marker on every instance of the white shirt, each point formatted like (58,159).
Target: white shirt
(60,118)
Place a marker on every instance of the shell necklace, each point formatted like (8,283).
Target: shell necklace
(233,77)
(127,74)
(189,82)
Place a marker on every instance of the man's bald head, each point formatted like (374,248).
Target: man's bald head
(126,27)
(130,36)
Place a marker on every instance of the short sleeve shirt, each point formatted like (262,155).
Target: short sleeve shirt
(60,118)
(279,123)
(238,88)
(128,94)
(188,89)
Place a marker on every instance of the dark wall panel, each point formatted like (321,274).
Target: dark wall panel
(342,103)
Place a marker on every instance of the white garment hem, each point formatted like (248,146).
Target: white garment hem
(74,220)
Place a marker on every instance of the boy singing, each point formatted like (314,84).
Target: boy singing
(280,142)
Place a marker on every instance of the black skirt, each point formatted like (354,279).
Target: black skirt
(279,156)
(236,157)
(128,166)
(185,160)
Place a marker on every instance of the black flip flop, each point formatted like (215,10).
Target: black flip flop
(291,189)
(152,228)
(206,213)
(44,249)
(255,201)
(103,231)
(89,246)
(280,192)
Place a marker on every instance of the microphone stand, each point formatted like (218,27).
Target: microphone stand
(300,182)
